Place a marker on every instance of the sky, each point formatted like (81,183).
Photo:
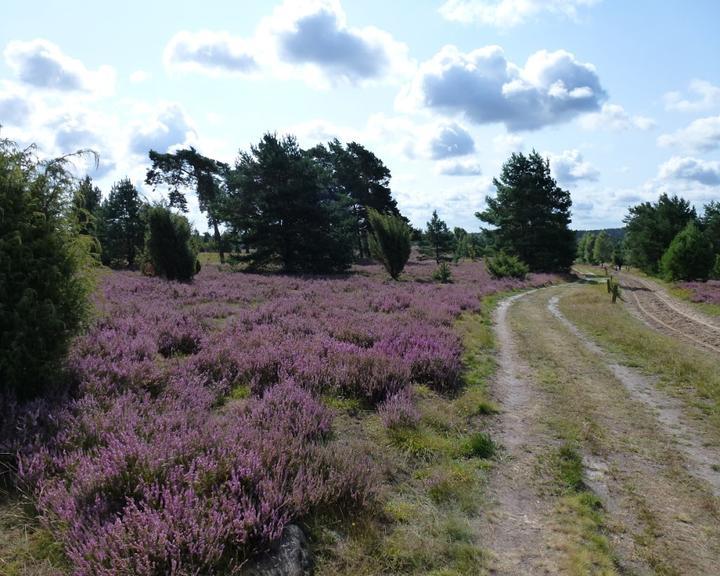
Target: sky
(623,98)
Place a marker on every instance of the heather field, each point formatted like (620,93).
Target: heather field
(203,416)
(705,292)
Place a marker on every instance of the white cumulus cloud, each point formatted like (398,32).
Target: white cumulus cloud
(41,64)
(705,96)
(570,167)
(508,13)
(702,135)
(705,172)
(167,127)
(614,117)
(485,87)
(307,39)
(463,167)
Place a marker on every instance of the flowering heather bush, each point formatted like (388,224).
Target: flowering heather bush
(708,292)
(398,410)
(149,469)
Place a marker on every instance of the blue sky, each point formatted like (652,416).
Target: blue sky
(622,97)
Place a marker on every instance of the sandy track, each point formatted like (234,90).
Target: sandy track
(665,313)
(654,471)
(518,532)
(702,458)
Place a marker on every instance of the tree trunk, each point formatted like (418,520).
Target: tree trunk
(218,242)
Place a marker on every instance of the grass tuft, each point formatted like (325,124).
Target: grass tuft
(479,445)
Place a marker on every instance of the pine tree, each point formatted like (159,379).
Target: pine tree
(437,240)
(356,173)
(187,169)
(122,230)
(651,227)
(689,256)
(531,214)
(278,205)
(603,248)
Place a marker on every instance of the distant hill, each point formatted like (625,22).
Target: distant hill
(614,233)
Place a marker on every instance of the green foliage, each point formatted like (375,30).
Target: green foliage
(186,169)
(711,224)
(689,256)
(168,245)
(122,225)
(480,445)
(651,227)
(569,467)
(86,206)
(278,204)
(618,256)
(589,249)
(43,292)
(504,265)
(442,273)
(531,214)
(580,248)
(463,247)
(715,272)
(361,179)
(85,214)
(437,240)
(389,241)
(603,248)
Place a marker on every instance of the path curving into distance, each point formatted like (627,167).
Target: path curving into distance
(665,313)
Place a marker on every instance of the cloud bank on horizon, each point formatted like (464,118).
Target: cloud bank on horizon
(443,110)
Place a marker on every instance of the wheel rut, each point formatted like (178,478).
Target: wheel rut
(664,313)
(702,459)
(518,531)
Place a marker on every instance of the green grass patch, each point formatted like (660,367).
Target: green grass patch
(682,369)
(240,392)
(479,445)
(27,549)
(435,477)
(343,404)
(568,467)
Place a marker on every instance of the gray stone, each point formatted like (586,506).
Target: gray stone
(289,556)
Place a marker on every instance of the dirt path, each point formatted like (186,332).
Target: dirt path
(655,472)
(667,314)
(519,531)
(702,458)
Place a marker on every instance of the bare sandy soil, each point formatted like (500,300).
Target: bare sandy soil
(655,472)
(519,529)
(657,308)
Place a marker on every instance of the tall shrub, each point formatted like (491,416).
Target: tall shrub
(689,256)
(168,245)
(389,241)
(43,293)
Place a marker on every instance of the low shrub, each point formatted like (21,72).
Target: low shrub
(504,265)
(399,410)
(443,274)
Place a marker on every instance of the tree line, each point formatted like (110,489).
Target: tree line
(665,238)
